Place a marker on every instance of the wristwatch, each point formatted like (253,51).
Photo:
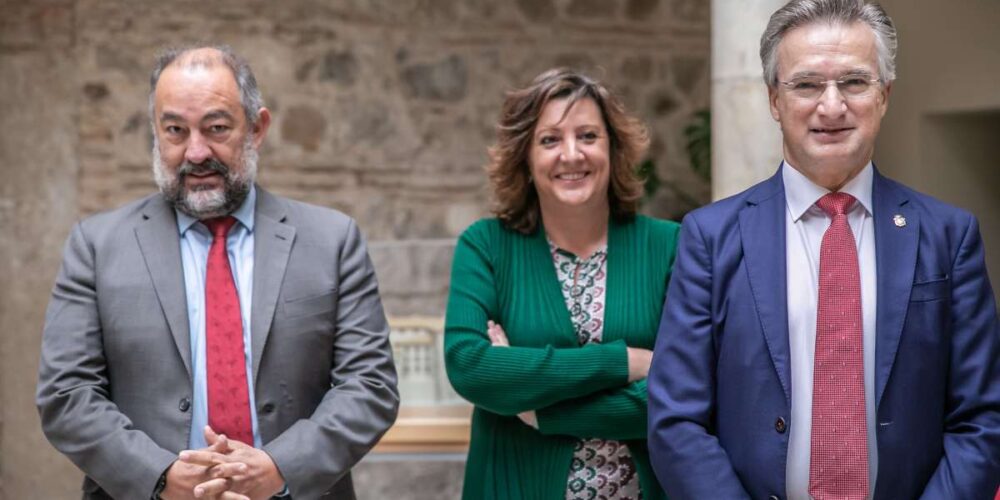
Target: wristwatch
(284,493)
(161,484)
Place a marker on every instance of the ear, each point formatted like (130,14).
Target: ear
(260,128)
(772,99)
(884,105)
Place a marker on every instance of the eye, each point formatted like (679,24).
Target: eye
(218,129)
(806,85)
(173,130)
(548,140)
(589,137)
(854,84)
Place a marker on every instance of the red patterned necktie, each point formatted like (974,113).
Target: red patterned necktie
(838,467)
(228,396)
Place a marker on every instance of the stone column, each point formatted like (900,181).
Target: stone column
(746,141)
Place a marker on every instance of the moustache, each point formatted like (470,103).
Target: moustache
(209,166)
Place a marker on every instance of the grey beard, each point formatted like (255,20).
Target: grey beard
(206,203)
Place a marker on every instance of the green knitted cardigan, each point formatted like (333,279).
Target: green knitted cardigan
(577,392)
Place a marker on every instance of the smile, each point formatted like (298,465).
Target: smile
(572,176)
(830,130)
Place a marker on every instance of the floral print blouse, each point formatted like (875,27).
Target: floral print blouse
(601,468)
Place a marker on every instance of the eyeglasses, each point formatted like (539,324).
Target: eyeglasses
(849,86)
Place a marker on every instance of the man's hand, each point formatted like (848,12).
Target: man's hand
(240,469)
(184,477)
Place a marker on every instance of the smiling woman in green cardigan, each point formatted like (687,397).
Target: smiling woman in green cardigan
(554,304)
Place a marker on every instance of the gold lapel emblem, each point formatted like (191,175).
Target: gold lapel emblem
(899,220)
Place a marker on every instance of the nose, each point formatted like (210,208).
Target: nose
(197,149)
(571,152)
(831,101)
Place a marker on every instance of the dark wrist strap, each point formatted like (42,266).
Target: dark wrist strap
(161,484)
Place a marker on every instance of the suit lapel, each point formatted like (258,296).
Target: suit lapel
(762,232)
(272,246)
(896,258)
(159,242)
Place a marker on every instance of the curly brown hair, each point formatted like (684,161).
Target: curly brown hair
(516,200)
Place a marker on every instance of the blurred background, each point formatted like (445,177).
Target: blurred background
(384,109)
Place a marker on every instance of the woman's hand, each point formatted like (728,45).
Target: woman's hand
(529,418)
(638,363)
(496,334)
(498,338)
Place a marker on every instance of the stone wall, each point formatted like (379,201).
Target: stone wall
(382,108)
(38,202)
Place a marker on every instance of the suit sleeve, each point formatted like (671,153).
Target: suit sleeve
(970,467)
(362,401)
(685,455)
(73,395)
(510,380)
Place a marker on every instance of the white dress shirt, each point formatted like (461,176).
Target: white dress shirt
(804,228)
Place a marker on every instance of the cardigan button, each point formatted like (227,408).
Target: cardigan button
(184,405)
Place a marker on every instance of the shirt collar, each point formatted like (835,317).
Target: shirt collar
(801,193)
(244,213)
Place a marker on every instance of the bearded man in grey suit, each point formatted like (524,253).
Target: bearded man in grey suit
(180,361)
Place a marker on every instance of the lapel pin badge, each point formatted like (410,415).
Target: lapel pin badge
(899,220)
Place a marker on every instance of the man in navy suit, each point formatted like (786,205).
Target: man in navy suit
(828,333)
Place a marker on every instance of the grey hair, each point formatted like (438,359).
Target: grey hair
(801,12)
(250,97)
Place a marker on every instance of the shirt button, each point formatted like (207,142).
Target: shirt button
(780,426)
(184,404)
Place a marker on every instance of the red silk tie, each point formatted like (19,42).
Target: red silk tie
(838,467)
(228,396)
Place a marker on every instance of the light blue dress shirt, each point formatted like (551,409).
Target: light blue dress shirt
(196,240)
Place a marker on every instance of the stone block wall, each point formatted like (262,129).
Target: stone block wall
(382,108)
(385,108)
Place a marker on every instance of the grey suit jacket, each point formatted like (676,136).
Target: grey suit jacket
(114,383)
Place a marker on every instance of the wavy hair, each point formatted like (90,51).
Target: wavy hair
(515,196)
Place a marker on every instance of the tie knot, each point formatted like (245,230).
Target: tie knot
(219,226)
(835,203)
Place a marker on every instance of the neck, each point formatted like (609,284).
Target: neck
(832,177)
(581,232)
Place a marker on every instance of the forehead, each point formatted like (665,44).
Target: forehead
(555,111)
(191,90)
(823,47)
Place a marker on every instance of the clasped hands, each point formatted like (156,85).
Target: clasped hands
(225,470)
(638,364)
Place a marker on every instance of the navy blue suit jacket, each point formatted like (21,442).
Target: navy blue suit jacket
(721,377)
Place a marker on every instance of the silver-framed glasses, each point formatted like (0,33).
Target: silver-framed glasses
(851,86)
